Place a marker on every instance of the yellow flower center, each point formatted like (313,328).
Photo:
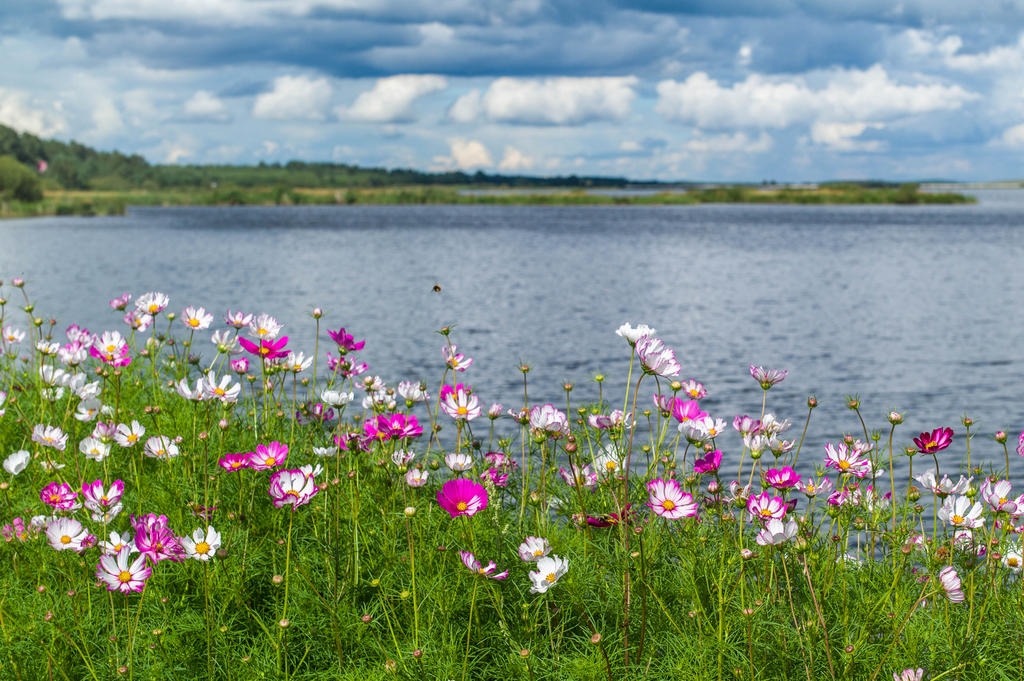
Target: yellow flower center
(766,512)
(610,465)
(219,391)
(538,553)
(462,411)
(1012,561)
(843,465)
(65,539)
(668,504)
(193,322)
(551,577)
(124,576)
(154,308)
(133,438)
(461,506)
(111,348)
(202,548)
(54,498)
(270,461)
(957,519)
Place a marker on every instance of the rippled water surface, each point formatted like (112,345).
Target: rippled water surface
(912,308)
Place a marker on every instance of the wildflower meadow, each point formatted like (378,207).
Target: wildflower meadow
(186,495)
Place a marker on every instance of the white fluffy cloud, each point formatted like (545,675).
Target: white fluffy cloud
(733,143)
(552,101)
(465,155)
(768,102)
(843,136)
(391,99)
(294,97)
(926,45)
(514,160)
(204,105)
(1011,137)
(17,112)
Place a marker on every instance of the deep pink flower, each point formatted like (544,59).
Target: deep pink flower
(268,456)
(935,441)
(391,427)
(669,501)
(609,519)
(121,302)
(765,506)
(346,341)
(59,495)
(235,462)
(497,477)
(267,349)
(474,566)
(240,365)
(786,478)
(462,497)
(157,542)
(709,463)
(100,499)
(686,410)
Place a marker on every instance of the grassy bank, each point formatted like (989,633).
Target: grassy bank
(114,202)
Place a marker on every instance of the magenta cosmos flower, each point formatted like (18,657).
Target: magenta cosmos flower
(847,459)
(462,497)
(765,506)
(267,349)
(766,378)
(455,359)
(935,441)
(268,456)
(687,410)
(393,427)
(668,501)
(59,495)
(235,462)
(786,478)
(656,357)
(291,488)
(346,341)
(709,463)
(120,575)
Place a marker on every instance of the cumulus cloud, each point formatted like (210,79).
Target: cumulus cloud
(843,136)
(391,99)
(514,160)
(552,101)
(17,112)
(294,97)
(1011,137)
(926,45)
(766,102)
(203,105)
(464,155)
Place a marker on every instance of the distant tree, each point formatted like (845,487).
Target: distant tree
(18,182)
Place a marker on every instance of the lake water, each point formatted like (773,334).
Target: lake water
(911,308)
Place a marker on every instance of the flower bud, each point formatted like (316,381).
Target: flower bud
(1000,437)
(317,313)
(410,511)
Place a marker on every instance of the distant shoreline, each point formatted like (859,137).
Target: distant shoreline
(92,202)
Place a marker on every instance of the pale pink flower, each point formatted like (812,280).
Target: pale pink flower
(533,549)
(120,575)
(196,318)
(656,357)
(547,419)
(454,359)
(765,506)
(459,403)
(667,500)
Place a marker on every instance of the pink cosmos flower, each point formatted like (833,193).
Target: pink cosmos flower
(50,436)
(609,519)
(240,365)
(346,342)
(546,419)
(776,532)
(120,575)
(59,495)
(238,319)
(267,349)
(533,549)
(950,581)
(292,488)
(103,502)
(766,378)
(812,489)
(500,460)
(656,357)
(462,497)
(416,477)
(935,441)
(494,411)
(138,321)
(155,541)
(745,425)
(694,389)
(708,463)
(1020,444)
(235,462)
(909,675)
(454,359)
(152,302)
(667,500)
(393,427)
(268,456)
(498,477)
(459,403)
(847,459)
(686,410)
(783,479)
(765,506)
(474,566)
(999,498)
(121,302)
(585,478)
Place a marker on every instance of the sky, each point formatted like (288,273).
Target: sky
(726,90)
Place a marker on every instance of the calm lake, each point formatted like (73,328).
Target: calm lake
(911,308)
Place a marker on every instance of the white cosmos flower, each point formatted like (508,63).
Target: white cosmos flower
(16,462)
(88,410)
(94,449)
(336,398)
(632,335)
(129,436)
(549,570)
(202,545)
